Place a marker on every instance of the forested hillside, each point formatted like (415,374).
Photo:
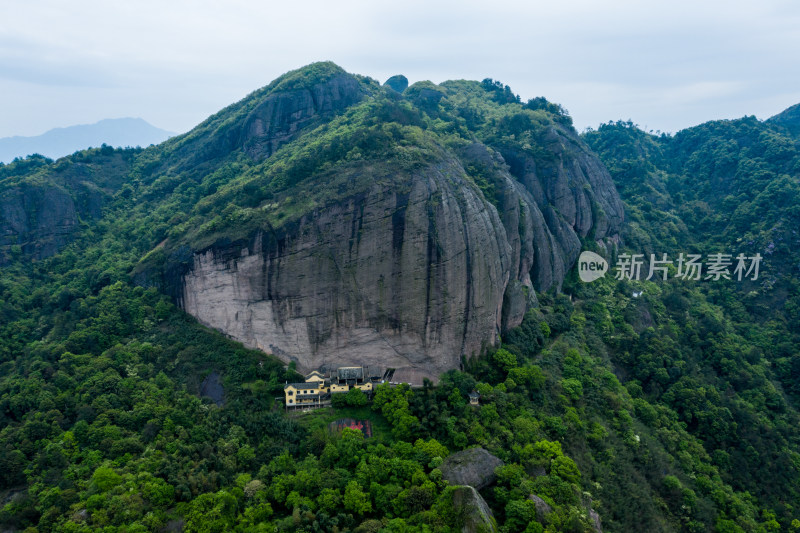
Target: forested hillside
(626,405)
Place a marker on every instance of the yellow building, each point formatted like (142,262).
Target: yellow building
(317,377)
(336,387)
(317,390)
(303,394)
(366,387)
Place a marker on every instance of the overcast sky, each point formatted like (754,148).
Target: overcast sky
(664,65)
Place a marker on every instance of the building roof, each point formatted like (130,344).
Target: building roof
(350,372)
(314,385)
(412,376)
(315,374)
(474,394)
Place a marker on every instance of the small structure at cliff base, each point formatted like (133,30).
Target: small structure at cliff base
(317,389)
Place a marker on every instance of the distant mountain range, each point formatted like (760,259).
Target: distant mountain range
(58,142)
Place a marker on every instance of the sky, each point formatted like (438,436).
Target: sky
(663,65)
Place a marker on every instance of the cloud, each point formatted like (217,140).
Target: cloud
(667,65)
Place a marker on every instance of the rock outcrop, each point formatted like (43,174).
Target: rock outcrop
(542,507)
(594,516)
(397,83)
(405,276)
(280,117)
(473,466)
(41,215)
(565,198)
(474,513)
(39,220)
(405,232)
(416,270)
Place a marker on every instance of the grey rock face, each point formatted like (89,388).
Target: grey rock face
(418,273)
(474,467)
(475,514)
(405,276)
(281,116)
(38,219)
(546,211)
(398,83)
(595,518)
(542,507)
(565,198)
(414,275)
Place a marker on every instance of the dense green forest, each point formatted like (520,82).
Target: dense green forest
(674,410)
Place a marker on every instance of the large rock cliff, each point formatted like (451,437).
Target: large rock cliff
(411,275)
(410,266)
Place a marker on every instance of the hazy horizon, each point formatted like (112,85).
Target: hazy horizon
(665,67)
(59,142)
(86,124)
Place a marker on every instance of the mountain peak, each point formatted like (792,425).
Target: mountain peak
(295,101)
(789,118)
(58,142)
(307,76)
(269,117)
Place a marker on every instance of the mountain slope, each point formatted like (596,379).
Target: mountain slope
(45,204)
(672,410)
(788,119)
(731,375)
(392,206)
(427,233)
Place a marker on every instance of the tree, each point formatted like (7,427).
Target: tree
(356,397)
(355,500)
(329,500)
(211,513)
(505,359)
(519,513)
(104,478)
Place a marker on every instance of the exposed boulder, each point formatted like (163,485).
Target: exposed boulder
(398,83)
(474,514)
(474,467)
(542,507)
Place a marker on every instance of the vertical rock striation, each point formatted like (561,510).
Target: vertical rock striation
(281,116)
(38,219)
(418,270)
(417,274)
(405,276)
